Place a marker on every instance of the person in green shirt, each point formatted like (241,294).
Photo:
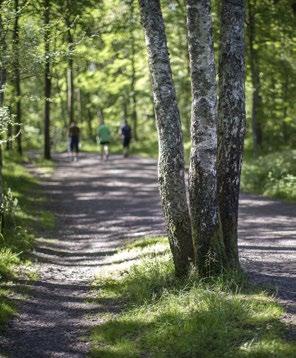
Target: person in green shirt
(104,139)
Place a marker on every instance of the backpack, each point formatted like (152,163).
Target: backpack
(126,131)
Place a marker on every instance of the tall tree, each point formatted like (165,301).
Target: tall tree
(17,79)
(2,84)
(133,69)
(47,79)
(70,69)
(171,157)
(206,229)
(231,125)
(2,58)
(257,130)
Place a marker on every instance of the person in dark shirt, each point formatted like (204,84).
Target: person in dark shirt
(126,136)
(74,133)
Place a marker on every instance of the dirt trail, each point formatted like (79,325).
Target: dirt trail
(98,206)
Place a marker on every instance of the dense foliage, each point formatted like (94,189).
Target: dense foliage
(110,72)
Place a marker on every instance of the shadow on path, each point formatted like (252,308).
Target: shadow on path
(98,206)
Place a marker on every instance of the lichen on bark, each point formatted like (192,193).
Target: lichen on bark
(206,230)
(171,155)
(231,111)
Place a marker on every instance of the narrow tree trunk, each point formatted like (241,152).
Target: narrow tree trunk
(171,156)
(47,81)
(89,123)
(206,229)
(70,70)
(2,84)
(70,80)
(255,76)
(285,129)
(231,125)
(79,105)
(3,63)
(133,74)
(17,81)
(9,133)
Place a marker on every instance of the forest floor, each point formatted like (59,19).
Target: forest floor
(100,205)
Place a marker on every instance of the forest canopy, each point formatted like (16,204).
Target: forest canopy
(97,67)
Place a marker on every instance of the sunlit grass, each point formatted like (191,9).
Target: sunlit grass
(162,316)
(21,226)
(7,308)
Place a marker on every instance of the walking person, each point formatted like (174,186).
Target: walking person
(74,136)
(104,139)
(126,136)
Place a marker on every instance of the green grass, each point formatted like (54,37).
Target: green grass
(164,317)
(21,225)
(272,175)
(7,309)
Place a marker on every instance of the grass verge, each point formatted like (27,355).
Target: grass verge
(22,218)
(165,317)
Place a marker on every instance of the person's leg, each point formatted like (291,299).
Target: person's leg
(126,147)
(72,148)
(123,147)
(76,149)
(106,149)
(102,151)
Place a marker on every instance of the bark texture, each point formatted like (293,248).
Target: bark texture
(231,126)
(206,229)
(171,156)
(2,85)
(47,80)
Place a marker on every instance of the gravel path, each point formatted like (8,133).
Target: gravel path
(98,206)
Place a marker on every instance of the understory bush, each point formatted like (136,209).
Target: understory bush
(20,217)
(272,175)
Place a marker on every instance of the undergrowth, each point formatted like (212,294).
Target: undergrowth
(272,175)
(162,316)
(21,218)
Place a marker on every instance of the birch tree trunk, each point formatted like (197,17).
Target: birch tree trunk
(47,80)
(17,80)
(231,110)
(171,156)
(2,85)
(70,77)
(206,229)
(133,72)
(70,69)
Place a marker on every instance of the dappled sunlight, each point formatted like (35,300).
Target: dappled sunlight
(100,207)
(191,317)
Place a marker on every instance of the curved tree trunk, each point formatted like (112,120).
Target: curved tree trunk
(231,125)
(171,156)
(206,229)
